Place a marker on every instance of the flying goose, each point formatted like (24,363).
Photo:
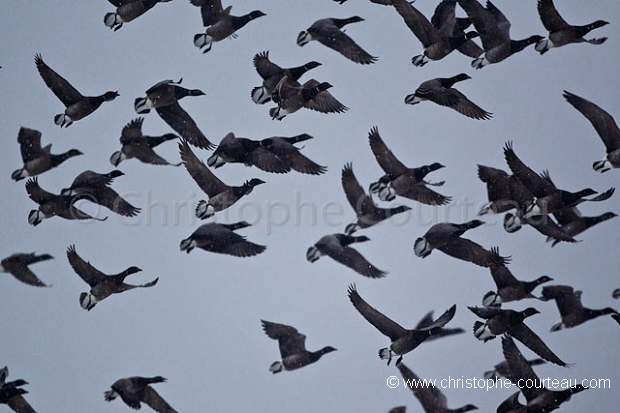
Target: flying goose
(506,192)
(510,322)
(77,105)
(569,304)
(509,288)
(440,91)
(276,154)
(17,265)
(328,32)
(539,399)
(52,205)
(502,369)
(430,397)
(367,212)
(440,36)
(139,146)
(401,180)
(494,30)
(573,223)
(134,390)
(271,74)
(219,22)
(37,159)
(221,196)
(605,126)
(337,246)
(164,97)
(222,239)
(101,285)
(446,237)
(403,340)
(11,393)
(284,148)
(292,347)
(312,95)
(549,198)
(94,187)
(128,10)
(560,32)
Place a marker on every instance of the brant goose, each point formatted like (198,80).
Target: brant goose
(221,196)
(128,10)
(502,369)
(17,265)
(12,395)
(446,237)
(605,126)
(77,105)
(292,347)
(312,95)
(443,34)
(616,293)
(276,154)
(494,30)
(52,205)
(337,246)
(573,223)
(539,399)
(133,390)
(560,32)
(101,285)
(94,187)
(430,397)
(37,159)
(440,91)
(367,212)
(219,22)
(549,198)
(401,180)
(272,73)
(285,149)
(569,304)
(164,98)
(509,288)
(328,32)
(222,239)
(506,192)
(139,146)
(510,322)
(403,340)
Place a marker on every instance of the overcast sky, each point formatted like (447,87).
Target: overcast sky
(200,325)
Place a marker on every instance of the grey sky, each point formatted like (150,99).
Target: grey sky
(200,326)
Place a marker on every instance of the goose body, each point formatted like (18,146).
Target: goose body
(12,394)
(338,247)
(569,305)
(509,288)
(312,95)
(128,10)
(139,146)
(221,238)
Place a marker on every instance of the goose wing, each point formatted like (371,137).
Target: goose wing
(336,39)
(520,368)
(419,25)
(155,401)
(30,144)
(84,269)
(525,335)
(17,265)
(265,67)
(430,397)
(63,90)
(384,156)
(550,17)
(290,341)
(203,176)
(602,121)
(381,322)
(359,201)
(538,185)
(425,195)
(179,120)
(468,250)
(565,299)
